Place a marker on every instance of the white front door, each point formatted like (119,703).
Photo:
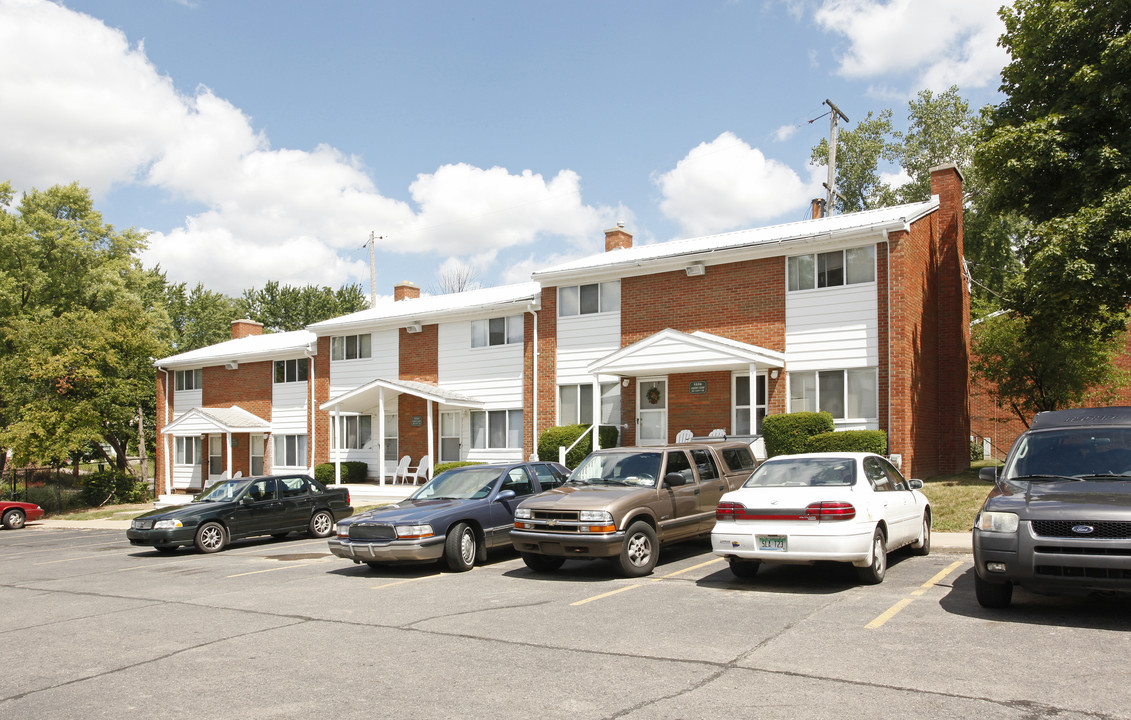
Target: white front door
(449,436)
(652,411)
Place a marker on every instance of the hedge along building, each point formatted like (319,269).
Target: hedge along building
(864,315)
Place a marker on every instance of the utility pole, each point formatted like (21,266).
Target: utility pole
(372,269)
(831,184)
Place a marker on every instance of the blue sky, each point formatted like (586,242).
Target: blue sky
(265,139)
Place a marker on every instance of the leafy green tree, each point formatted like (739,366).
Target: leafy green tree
(941,129)
(282,308)
(1057,153)
(199,317)
(859,152)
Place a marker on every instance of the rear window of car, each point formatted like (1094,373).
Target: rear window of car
(804,472)
(739,458)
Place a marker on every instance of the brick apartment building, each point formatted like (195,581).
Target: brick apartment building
(865,315)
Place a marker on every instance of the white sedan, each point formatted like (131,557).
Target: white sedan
(846,507)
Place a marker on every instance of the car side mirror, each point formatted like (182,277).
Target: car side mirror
(675,479)
(246,500)
(915,484)
(989,474)
(505,495)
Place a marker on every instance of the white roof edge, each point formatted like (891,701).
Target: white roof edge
(253,348)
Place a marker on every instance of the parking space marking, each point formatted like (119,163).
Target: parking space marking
(605,595)
(689,569)
(40,551)
(52,562)
(898,607)
(281,567)
(402,582)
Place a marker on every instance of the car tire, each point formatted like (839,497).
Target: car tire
(744,569)
(640,552)
(991,595)
(165,548)
(211,537)
(321,524)
(542,563)
(874,573)
(922,546)
(375,565)
(14,519)
(460,548)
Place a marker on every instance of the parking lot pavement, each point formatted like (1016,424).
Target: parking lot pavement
(283,629)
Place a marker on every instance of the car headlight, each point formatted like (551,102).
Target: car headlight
(167,524)
(600,517)
(522,514)
(999,522)
(405,532)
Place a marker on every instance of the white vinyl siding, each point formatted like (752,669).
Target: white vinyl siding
(832,328)
(583,340)
(346,375)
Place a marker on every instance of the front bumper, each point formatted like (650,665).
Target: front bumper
(568,544)
(1053,564)
(388,550)
(151,538)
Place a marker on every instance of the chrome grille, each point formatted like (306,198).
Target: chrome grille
(142,524)
(1105,530)
(360,531)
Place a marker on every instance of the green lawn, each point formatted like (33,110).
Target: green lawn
(956,498)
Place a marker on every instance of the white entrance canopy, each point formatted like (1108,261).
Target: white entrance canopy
(211,421)
(373,395)
(671,351)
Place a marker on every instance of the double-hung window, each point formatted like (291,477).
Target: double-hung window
(831,269)
(351,347)
(841,393)
(356,431)
(289,371)
(188,379)
(497,331)
(496,429)
(575,404)
(187,450)
(290,451)
(589,299)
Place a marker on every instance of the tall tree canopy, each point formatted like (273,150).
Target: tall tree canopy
(859,152)
(199,317)
(282,308)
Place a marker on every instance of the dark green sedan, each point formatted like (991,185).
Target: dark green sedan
(244,507)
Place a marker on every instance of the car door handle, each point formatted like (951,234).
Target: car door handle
(696,491)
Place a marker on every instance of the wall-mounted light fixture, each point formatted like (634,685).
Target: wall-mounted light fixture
(695,269)
(774,374)
(413,327)
(624,382)
(231,365)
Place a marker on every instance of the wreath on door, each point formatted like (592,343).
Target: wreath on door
(653,395)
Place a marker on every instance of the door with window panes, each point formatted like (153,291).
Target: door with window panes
(652,411)
(450,427)
(749,404)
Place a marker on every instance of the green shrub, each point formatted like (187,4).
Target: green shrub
(112,487)
(454,464)
(564,435)
(54,499)
(977,451)
(353,471)
(789,433)
(873,441)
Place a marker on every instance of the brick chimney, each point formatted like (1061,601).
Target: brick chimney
(243,328)
(817,208)
(616,238)
(405,291)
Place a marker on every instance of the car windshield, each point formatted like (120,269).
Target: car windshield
(804,472)
(627,468)
(1071,454)
(222,491)
(465,483)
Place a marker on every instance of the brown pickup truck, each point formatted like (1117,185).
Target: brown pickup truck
(622,503)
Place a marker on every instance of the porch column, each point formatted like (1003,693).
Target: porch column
(169,458)
(228,454)
(337,446)
(431,441)
(596,413)
(381,435)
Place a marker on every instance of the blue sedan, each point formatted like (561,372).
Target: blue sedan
(456,517)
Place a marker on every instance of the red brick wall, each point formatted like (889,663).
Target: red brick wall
(418,361)
(159,458)
(248,386)
(321,433)
(547,361)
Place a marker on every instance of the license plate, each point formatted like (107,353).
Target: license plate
(773,542)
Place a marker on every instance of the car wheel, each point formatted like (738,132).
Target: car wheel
(874,573)
(922,546)
(14,519)
(994,596)
(639,554)
(744,568)
(460,548)
(542,563)
(165,548)
(211,537)
(321,524)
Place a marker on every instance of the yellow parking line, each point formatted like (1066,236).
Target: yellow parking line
(693,567)
(52,562)
(147,566)
(895,609)
(281,567)
(401,582)
(605,595)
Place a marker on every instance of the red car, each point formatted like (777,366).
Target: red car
(14,514)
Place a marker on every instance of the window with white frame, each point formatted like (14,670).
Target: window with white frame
(257,448)
(391,437)
(832,269)
(290,451)
(589,299)
(351,347)
(187,451)
(289,371)
(355,431)
(841,393)
(188,379)
(497,331)
(575,404)
(496,429)
(749,406)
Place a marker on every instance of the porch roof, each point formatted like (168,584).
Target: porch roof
(206,420)
(366,396)
(673,351)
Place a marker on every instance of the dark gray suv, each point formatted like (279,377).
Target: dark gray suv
(1059,517)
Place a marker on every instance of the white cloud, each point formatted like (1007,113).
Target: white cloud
(80,104)
(785,132)
(942,43)
(726,184)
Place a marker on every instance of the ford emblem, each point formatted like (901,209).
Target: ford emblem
(1083,529)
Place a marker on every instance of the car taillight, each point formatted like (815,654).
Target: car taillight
(729,510)
(347,496)
(830,510)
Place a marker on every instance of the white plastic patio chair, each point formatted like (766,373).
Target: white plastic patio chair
(422,473)
(684,436)
(401,473)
